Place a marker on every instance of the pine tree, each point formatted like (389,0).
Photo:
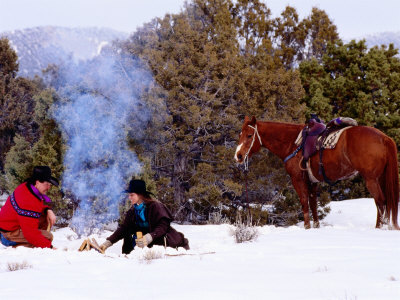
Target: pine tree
(16,104)
(357,82)
(48,150)
(8,60)
(216,63)
(18,163)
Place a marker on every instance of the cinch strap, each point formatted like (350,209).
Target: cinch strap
(24,212)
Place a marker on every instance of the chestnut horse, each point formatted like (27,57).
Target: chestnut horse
(360,148)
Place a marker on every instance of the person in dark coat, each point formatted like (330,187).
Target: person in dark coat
(149,216)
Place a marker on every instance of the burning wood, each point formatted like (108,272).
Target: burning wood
(89,244)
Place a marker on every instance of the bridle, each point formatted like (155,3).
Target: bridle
(246,157)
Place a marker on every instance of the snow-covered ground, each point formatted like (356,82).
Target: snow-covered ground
(347,258)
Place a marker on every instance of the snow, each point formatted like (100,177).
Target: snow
(347,258)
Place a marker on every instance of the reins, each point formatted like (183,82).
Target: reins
(246,157)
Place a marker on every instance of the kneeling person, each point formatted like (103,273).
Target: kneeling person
(26,214)
(149,216)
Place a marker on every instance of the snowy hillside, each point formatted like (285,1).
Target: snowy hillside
(384,38)
(347,258)
(40,46)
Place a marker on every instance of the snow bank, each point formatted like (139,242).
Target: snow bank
(347,258)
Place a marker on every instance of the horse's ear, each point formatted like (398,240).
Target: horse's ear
(246,119)
(253,120)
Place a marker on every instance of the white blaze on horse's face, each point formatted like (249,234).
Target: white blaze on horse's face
(237,151)
(238,148)
(240,153)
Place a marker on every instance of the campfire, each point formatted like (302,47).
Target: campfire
(89,244)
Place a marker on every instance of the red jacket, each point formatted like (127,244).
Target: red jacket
(22,210)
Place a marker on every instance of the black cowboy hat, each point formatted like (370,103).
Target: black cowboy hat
(43,173)
(138,186)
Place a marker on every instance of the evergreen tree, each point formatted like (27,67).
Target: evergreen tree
(8,60)
(48,150)
(216,62)
(299,40)
(357,82)
(18,163)
(16,103)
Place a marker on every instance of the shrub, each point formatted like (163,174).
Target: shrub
(15,266)
(151,254)
(244,230)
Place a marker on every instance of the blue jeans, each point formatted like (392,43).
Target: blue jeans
(6,242)
(133,241)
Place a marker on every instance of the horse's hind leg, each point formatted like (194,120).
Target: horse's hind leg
(313,204)
(374,188)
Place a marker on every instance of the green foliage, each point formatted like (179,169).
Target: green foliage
(16,104)
(8,59)
(216,62)
(48,150)
(18,164)
(213,63)
(354,81)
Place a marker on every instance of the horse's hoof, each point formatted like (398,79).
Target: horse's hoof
(316,225)
(307,226)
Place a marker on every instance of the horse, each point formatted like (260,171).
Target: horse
(361,149)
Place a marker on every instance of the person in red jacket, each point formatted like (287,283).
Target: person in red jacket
(26,214)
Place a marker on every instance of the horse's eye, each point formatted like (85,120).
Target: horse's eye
(249,136)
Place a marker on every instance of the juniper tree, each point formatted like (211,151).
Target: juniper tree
(16,103)
(216,63)
(47,150)
(354,81)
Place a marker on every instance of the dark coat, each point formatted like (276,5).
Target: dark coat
(159,218)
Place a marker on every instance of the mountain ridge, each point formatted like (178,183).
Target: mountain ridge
(37,47)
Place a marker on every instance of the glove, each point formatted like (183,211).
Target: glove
(144,241)
(105,245)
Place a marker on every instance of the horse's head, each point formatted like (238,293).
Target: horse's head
(249,140)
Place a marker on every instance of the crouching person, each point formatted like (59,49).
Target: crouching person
(26,214)
(148,216)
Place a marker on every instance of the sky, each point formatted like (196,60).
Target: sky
(347,258)
(354,18)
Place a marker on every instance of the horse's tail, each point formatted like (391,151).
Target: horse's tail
(391,178)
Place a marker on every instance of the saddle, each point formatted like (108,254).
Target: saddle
(315,138)
(310,135)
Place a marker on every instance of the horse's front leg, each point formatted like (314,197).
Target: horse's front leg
(301,186)
(313,205)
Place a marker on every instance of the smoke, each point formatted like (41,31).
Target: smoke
(102,104)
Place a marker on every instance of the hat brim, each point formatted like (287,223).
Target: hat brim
(145,193)
(53,181)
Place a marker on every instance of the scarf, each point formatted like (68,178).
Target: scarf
(140,215)
(41,196)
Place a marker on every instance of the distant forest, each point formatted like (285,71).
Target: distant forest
(190,79)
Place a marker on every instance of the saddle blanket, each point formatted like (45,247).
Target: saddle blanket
(330,141)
